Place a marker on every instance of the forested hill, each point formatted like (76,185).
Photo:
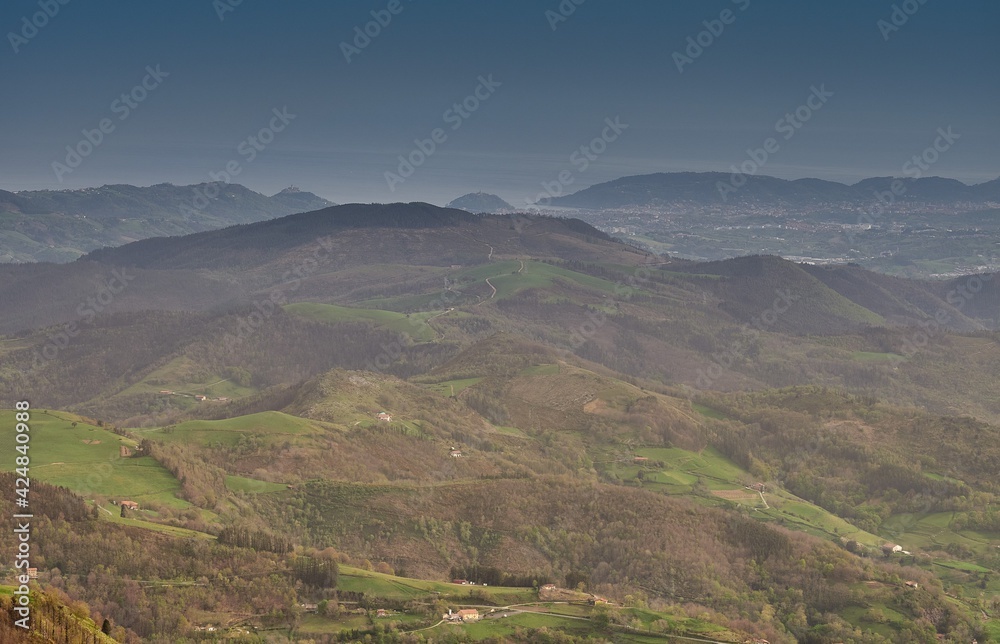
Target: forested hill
(370,233)
(61,225)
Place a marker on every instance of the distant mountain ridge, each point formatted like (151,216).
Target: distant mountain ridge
(61,225)
(717,188)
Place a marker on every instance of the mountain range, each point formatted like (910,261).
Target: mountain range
(716,188)
(61,225)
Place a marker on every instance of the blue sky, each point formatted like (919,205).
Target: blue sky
(608,58)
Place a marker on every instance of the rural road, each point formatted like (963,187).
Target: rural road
(492,295)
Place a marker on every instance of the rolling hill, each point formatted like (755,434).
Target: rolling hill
(418,392)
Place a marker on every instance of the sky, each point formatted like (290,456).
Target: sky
(694,85)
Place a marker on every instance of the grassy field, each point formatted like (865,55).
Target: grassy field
(540,370)
(85,459)
(933,531)
(413,324)
(710,466)
(708,411)
(317,625)
(389,586)
(453,387)
(274,426)
(173,531)
(252,486)
(878,619)
(504,627)
(993,628)
(871,356)
(686,473)
(186,377)
(507,277)
(508,281)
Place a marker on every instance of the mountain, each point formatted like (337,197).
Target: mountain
(989,190)
(404,395)
(393,276)
(717,188)
(61,225)
(481,202)
(359,234)
(299,200)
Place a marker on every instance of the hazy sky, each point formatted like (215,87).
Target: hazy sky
(892,90)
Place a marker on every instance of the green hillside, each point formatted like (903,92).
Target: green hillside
(414,325)
(67,451)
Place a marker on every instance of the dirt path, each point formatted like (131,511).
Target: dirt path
(492,295)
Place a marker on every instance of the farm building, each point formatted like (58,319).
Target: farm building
(131,505)
(384,417)
(890,548)
(468,615)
